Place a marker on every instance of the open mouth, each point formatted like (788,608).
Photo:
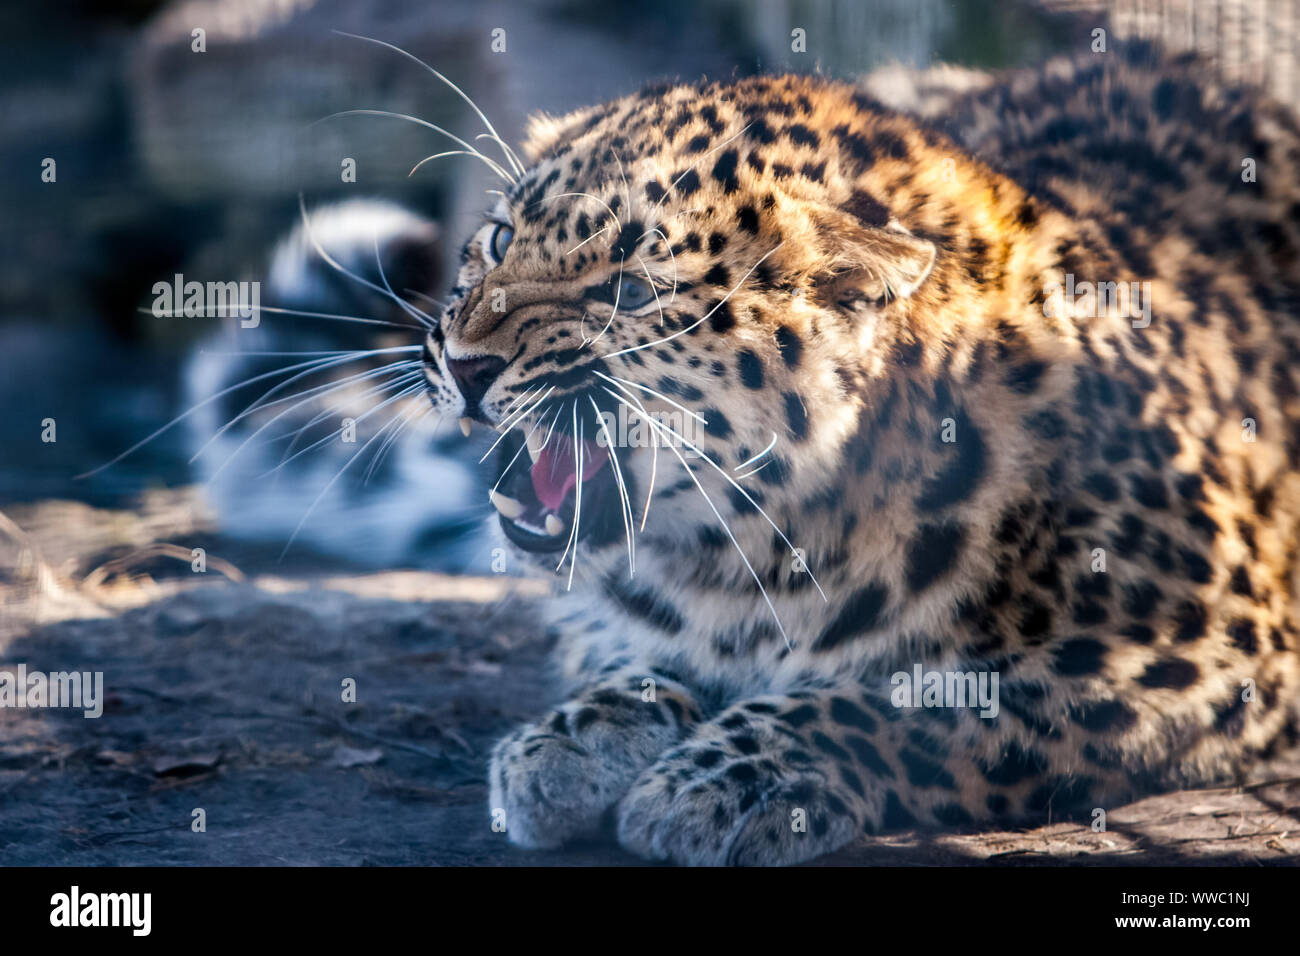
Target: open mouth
(541,491)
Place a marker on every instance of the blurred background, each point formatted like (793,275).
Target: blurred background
(169,159)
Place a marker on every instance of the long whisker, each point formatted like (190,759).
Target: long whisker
(172,314)
(587,240)
(725,527)
(577,464)
(654,473)
(207,401)
(507,425)
(332,409)
(509,153)
(619,382)
(360,418)
(261,402)
(519,450)
(427,321)
(391,440)
(325,490)
(731,481)
(492,164)
(303,398)
(401,373)
(770,446)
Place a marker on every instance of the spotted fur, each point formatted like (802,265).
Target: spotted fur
(864,286)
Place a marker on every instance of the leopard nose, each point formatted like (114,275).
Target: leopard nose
(474,376)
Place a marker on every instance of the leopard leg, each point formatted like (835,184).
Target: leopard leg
(783,779)
(554,778)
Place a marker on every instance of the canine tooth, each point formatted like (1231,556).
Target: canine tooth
(507,506)
(553,525)
(535,444)
(464,427)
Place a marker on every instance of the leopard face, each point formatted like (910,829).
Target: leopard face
(673,294)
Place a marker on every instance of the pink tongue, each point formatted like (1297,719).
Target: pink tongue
(555,473)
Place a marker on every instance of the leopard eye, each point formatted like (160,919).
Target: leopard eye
(634,292)
(502,236)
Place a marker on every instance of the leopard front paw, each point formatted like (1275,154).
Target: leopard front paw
(555,779)
(731,816)
(552,789)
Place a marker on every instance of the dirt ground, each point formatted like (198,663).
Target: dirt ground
(223,692)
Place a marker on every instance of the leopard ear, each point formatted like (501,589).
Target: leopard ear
(871,264)
(546,133)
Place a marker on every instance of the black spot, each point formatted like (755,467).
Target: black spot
(698,144)
(708,758)
(869,757)
(963,472)
(1140,599)
(799,716)
(1241,631)
(718,275)
(654,192)
(1190,617)
(716,423)
(724,171)
(1036,621)
(721,319)
(1103,715)
(1173,672)
(828,746)
(849,714)
(625,245)
(859,614)
(932,553)
(922,772)
(1024,378)
(751,369)
(717,242)
(1197,568)
(790,346)
(802,135)
(747,219)
(687,183)
(1015,765)
(1102,485)
(1241,581)
(1150,491)
(895,816)
(646,605)
(1082,655)
(867,208)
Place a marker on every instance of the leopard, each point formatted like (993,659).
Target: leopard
(868,501)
